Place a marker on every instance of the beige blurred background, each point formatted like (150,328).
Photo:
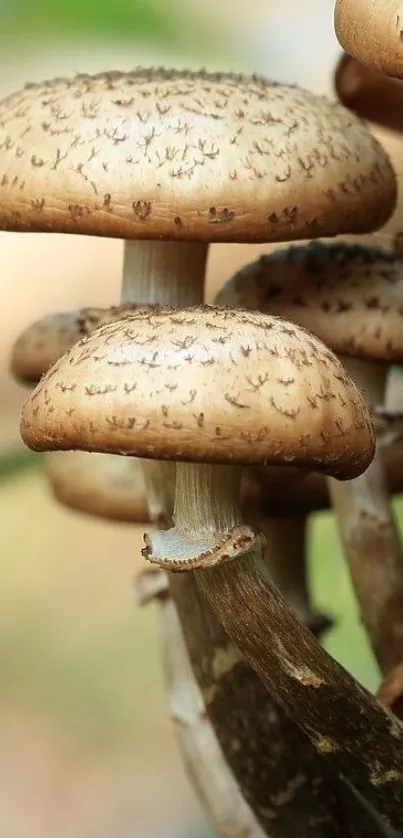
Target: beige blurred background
(86,746)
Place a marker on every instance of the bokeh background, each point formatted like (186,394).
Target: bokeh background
(86,746)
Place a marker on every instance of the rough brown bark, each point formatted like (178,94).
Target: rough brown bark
(351,732)
(280,774)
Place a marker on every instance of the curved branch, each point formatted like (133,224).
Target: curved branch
(354,735)
(281,774)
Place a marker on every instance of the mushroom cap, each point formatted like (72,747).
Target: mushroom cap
(369,94)
(188,156)
(100,484)
(203,385)
(371,31)
(43,342)
(350,296)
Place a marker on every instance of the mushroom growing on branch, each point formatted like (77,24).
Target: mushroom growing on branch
(349,296)
(111,486)
(127,388)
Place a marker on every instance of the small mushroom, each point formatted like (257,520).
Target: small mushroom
(110,393)
(115,487)
(202,754)
(42,343)
(370,31)
(351,297)
(370,94)
(103,485)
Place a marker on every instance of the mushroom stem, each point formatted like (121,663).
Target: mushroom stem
(350,730)
(370,537)
(164,272)
(207,504)
(159,479)
(206,499)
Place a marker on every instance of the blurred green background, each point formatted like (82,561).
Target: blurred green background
(87,748)
(128,22)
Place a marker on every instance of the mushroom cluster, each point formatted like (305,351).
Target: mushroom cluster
(223,426)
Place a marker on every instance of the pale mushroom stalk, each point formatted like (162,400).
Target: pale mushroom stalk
(207,507)
(294,669)
(164,272)
(369,535)
(202,755)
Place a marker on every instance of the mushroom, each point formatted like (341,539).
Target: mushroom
(99,484)
(171,161)
(349,296)
(202,755)
(370,31)
(369,94)
(42,343)
(143,387)
(114,488)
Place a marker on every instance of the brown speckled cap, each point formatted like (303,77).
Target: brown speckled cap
(350,296)
(371,31)
(369,94)
(103,485)
(42,343)
(188,156)
(203,385)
